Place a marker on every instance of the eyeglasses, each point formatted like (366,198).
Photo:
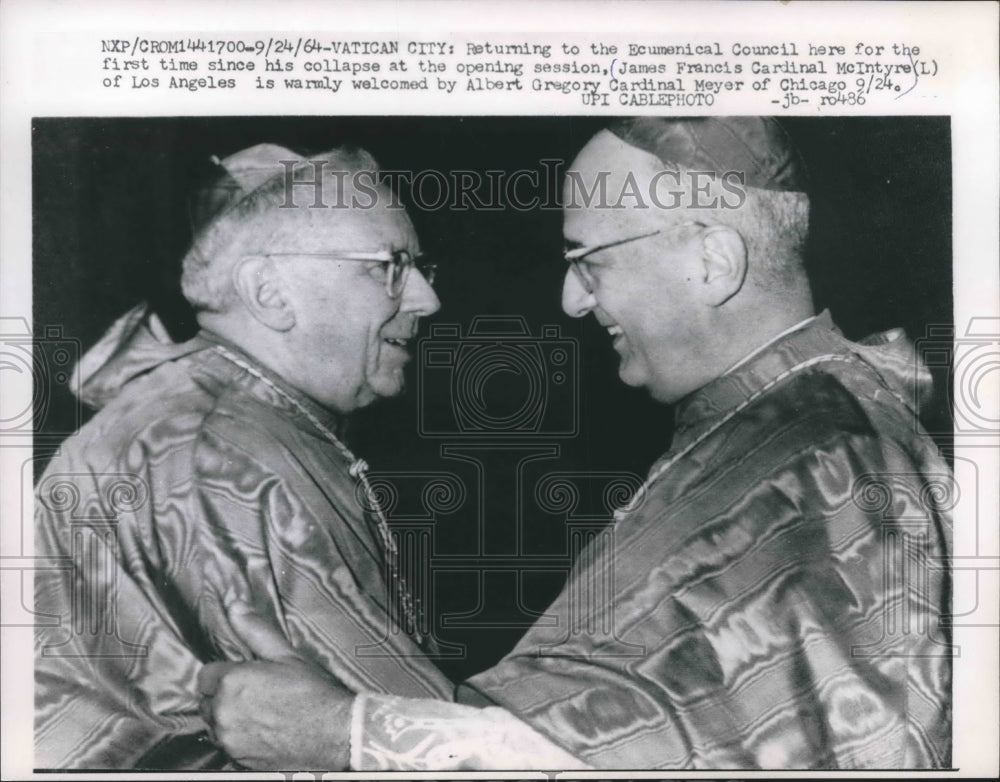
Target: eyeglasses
(397,265)
(576,254)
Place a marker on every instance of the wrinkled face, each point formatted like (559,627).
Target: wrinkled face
(643,291)
(351,340)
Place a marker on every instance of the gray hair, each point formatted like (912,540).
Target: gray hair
(774,225)
(246,225)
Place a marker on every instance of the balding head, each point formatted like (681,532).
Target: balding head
(308,266)
(259,197)
(753,154)
(693,257)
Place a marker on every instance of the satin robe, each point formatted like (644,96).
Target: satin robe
(196,483)
(778,595)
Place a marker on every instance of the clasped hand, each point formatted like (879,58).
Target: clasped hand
(280,713)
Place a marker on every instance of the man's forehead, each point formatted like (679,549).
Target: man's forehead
(606,151)
(376,226)
(598,188)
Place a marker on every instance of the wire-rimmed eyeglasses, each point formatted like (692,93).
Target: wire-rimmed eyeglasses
(397,265)
(573,256)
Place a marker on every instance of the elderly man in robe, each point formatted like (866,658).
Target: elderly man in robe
(780,582)
(215,470)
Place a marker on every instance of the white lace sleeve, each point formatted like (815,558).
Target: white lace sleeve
(389,733)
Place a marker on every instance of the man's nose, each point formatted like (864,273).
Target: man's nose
(576,300)
(418,296)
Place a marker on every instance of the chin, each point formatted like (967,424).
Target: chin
(630,378)
(664,397)
(657,393)
(389,388)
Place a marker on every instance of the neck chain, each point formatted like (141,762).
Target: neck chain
(359,471)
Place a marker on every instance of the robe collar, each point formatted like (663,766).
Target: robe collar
(266,385)
(136,344)
(888,354)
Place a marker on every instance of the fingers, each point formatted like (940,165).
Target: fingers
(207,715)
(215,686)
(210,675)
(261,637)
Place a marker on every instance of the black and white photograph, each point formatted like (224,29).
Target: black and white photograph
(646,438)
(486,411)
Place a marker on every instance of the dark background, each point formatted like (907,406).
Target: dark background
(110,226)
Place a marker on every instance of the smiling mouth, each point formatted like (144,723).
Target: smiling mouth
(398,342)
(617,336)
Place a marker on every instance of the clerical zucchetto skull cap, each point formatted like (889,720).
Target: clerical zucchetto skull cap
(235,177)
(759,147)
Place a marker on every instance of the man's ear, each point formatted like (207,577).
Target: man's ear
(724,259)
(263,292)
